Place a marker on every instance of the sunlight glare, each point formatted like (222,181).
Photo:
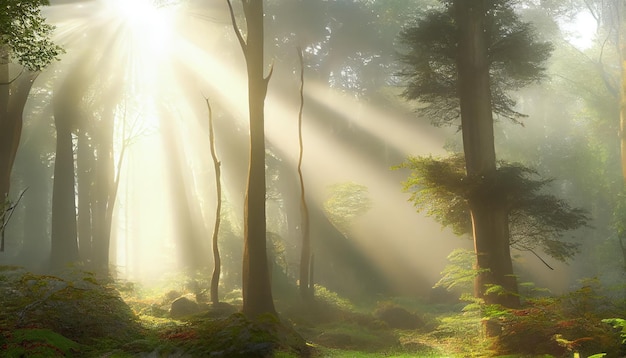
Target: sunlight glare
(151,24)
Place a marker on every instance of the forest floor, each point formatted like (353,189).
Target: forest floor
(75,314)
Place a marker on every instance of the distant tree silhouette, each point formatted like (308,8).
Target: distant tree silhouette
(24,36)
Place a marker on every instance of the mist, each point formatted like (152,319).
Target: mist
(125,107)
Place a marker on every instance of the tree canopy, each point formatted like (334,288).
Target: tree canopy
(430,50)
(537,220)
(26,34)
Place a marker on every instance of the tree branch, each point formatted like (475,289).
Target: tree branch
(522,248)
(6,217)
(242,42)
(269,75)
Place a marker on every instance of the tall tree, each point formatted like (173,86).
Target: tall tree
(489,220)
(462,59)
(256,286)
(25,36)
(66,102)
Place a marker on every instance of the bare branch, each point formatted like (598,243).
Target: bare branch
(6,217)
(523,248)
(269,75)
(242,42)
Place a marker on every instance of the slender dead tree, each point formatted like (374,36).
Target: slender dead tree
(306,284)
(217,261)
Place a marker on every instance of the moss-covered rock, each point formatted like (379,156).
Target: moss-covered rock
(236,336)
(33,342)
(77,306)
(398,317)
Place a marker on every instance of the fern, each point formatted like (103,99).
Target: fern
(618,323)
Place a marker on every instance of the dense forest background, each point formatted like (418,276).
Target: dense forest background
(120,119)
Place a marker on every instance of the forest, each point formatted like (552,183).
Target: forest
(313,178)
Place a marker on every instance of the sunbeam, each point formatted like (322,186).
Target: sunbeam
(158,60)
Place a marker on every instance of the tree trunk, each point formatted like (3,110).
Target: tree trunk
(84,161)
(256,287)
(13,95)
(620,10)
(489,216)
(217,261)
(35,173)
(64,247)
(306,291)
(101,200)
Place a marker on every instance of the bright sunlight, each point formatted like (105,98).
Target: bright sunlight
(150,23)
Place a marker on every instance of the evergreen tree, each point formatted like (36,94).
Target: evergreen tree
(461,59)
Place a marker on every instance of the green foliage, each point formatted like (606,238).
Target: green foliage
(515,57)
(618,323)
(459,274)
(440,188)
(347,201)
(25,32)
(462,331)
(330,298)
(572,323)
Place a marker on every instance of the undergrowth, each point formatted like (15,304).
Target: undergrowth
(77,314)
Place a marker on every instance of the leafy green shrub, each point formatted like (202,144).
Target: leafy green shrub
(324,295)
(573,323)
(618,323)
(532,330)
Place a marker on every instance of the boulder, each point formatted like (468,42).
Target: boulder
(183,306)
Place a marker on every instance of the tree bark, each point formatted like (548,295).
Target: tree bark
(256,287)
(217,261)
(84,177)
(489,215)
(64,242)
(101,200)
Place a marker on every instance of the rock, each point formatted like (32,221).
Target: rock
(183,306)
(398,317)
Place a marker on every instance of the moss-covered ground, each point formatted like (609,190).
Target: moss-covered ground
(77,314)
